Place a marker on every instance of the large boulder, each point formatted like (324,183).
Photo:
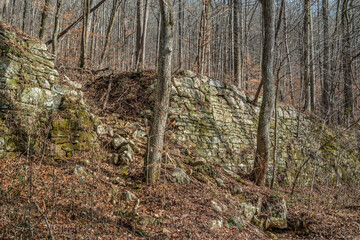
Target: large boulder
(272,214)
(36,101)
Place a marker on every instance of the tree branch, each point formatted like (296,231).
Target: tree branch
(74,23)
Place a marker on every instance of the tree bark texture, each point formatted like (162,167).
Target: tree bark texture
(85,33)
(263,140)
(139,30)
(346,62)
(237,47)
(325,93)
(44,17)
(306,55)
(57,25)
(163,89)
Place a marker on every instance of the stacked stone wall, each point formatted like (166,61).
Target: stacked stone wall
(35,102)
(216,121)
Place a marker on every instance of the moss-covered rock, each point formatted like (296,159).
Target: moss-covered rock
(32,98)
(72,129)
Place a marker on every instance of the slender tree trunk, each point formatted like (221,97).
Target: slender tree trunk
(200,46)
(3,6)
(144,35)
(325,93)
(346,63)
(71,26)
(335,64)
(306,55)
(277,29)
(12,20)
(24,15)
(44,17)
(139,31)
(226,44)
(180,19)
(163,89)
(241,29)
(157,41)
(114,12)
(85,33)
(274,166)
(204,36)
(291,88)
(312,67)
(237,52)
(263,140)
(57,25)
(92,39)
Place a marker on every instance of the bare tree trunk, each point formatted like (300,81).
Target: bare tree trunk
(57,25)
(44,17)
(277,29)
(325,93)
(85,33)
(71,26)
(237,52)
(200,47)
(335,64)
(144,34)
(312,67)
(226,45)
(3,6)
(24,15)
(139,31)
(204,35)
(306,55)
(163,89)
(346,63)
(263,140)
(114,12)
(291,89)
(12,12)
(180,19)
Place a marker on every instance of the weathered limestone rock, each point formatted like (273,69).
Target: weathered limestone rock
(119,141)
(32,98)
(215,206)
(220,182)
(215,224)
(247,210)
(72,130)
(218,207)
(180,176)
(273,214)
(128,196)
(80,171)
(214,120)
(100,130)
(235,222)
(278,210)
(236,189)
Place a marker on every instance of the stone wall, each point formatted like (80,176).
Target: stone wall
(35,102)
(215,121)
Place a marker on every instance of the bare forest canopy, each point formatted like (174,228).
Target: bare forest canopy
(317,43)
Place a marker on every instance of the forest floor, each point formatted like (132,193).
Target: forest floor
(38,195)
(81,197)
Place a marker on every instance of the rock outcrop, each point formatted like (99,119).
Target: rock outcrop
(36,104)
(216,121)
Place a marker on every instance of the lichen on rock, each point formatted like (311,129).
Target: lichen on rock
(32,97)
